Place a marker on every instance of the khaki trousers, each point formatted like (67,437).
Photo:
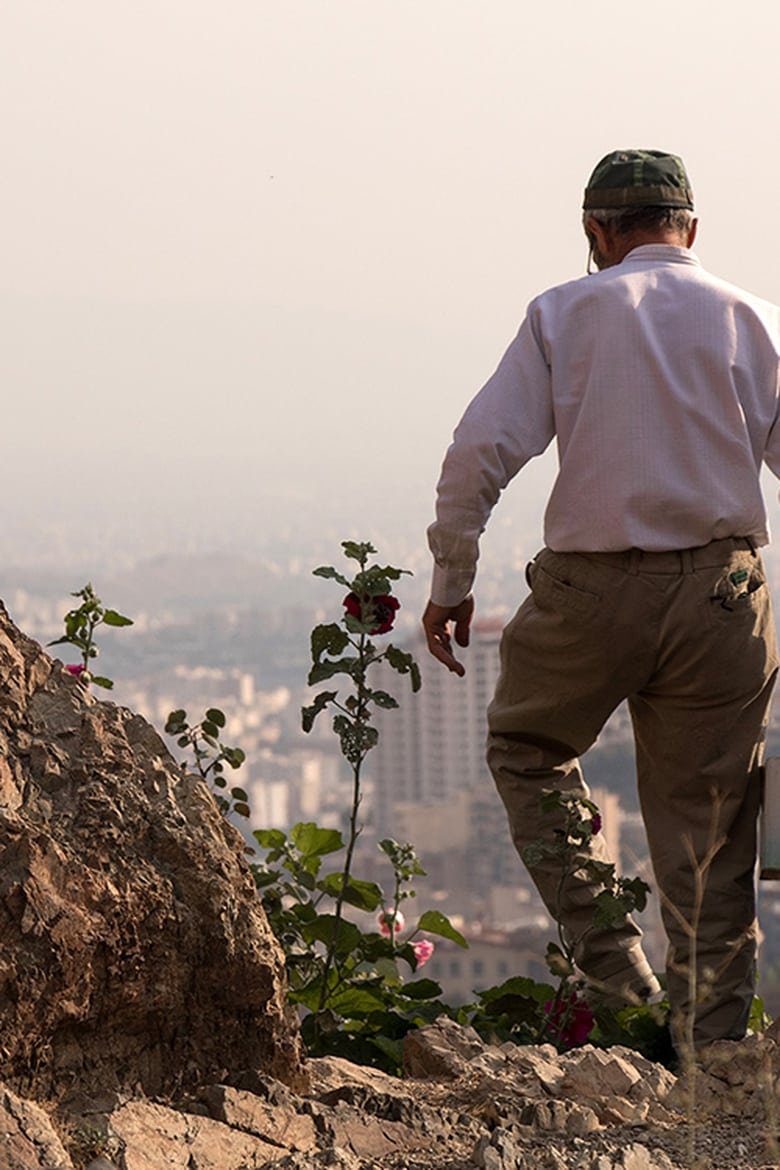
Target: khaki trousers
(688,639)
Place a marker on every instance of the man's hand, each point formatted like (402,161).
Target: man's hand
(436,623)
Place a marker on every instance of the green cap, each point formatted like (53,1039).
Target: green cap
(639,178)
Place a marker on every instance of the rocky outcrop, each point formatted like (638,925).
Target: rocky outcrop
(134,953)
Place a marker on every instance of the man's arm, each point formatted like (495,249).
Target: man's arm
(509,421)
(436,623)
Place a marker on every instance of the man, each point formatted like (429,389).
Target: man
(660,384)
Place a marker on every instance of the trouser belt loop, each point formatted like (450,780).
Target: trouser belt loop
(752,545)
(686,560)
(634,557)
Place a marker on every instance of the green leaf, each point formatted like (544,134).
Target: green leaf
(380,952)
(112,618)
(210,731)
(214,715)
(324,929)
(637,889)
(384,966)
(551,801)
(309,714)
(538,852)
(388,571)
(313,841)
(374,582)
(327,669)
(610,909)
(358,550)
(270,838)
(234,756)
(382,699)
(602,871)
(330,639)
(357,739)
(391,1049)
(364,895)
(100,681)
(404,663)
(422,989)
(434,922)
(518,986)
(308,996)
(242,809)
(356,1001)
(176,722)
(355,626)
(329,572)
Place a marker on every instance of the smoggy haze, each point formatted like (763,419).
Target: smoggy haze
(257,256)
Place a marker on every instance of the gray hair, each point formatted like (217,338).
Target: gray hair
(625,220)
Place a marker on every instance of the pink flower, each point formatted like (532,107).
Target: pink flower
(423,949)
(390,922)
(76,670)
(570,1021)
(595,824)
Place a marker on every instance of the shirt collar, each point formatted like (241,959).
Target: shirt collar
(668,253)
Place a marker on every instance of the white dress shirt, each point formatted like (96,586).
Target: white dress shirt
(661,384)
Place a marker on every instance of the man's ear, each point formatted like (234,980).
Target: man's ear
(692,233)
(600,234)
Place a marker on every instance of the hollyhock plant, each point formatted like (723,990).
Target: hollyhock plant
(595,824)
(80,626)
(377,609)
(345,649)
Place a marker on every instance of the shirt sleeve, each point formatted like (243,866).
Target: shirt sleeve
(772,449)
(509,422)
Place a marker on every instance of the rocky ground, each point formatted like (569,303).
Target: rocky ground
(462,1105)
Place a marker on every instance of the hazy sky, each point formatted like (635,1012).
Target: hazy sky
(263,253)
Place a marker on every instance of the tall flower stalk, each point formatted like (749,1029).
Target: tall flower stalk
(346,648)
(80,625)
(568,1020)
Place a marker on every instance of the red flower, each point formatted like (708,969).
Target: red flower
(595,824)
(373,609)
(569,1021)
(71,669)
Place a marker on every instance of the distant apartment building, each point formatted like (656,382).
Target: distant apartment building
(433,746)
(431,784)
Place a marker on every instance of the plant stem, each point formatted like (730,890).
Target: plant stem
(360,719)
